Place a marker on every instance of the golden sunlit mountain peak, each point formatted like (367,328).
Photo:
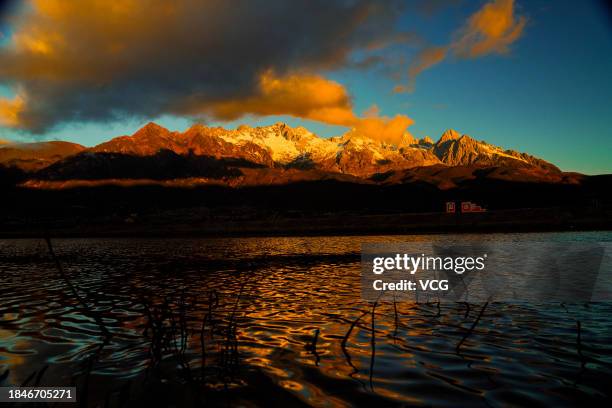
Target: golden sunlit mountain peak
(281,146)
(449,134)
(150,129)
(426,140)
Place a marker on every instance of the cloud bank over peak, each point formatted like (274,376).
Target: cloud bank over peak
(97,61)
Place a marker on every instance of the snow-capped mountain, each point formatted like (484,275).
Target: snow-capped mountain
(156,152)
(454,149)
(283,146)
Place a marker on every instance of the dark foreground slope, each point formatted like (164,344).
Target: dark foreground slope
(282,180)
(308,207)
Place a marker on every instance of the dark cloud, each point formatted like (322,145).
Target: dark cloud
(6,7)
(98,60)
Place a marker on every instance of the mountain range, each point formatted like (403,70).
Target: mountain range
(272,155)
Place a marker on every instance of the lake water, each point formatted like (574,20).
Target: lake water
(280,321)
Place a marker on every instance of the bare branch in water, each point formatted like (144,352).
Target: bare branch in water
(473,327)
(312,347)
(88,311)
(346,337)
(373,342)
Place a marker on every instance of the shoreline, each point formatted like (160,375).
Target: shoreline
(501,221)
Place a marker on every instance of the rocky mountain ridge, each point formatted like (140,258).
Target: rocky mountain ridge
(281,146)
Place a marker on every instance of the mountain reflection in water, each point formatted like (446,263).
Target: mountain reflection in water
(278,321)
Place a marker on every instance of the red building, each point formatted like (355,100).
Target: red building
(466,207)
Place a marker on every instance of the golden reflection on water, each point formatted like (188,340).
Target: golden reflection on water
(299,322)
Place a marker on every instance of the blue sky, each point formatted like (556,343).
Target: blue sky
(550,95)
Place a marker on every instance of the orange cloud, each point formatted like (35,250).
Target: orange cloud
(309,97)
(491,30)
(305,96)
(10,110)
(383,128)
